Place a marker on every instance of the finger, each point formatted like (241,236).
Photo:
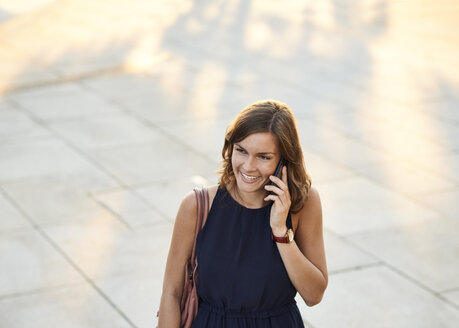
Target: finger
(280,198)
(284,174)
(278,181)
(275,189)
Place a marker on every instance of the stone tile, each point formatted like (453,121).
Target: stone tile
(205,136)
(138,220)
(72,306)
(444,202)
(161,99)
(183,107)
(359,298)
(348,152)
(406,178)
(355,205)
(101,249)
(66,101)
(341,255)
(41,157)
(107,131)
(144,287)
(311,131)
(121,201)
(29,263)
(443,108)
(319,111)
(11,217)
(404,144)
(452,296)
(66,195)
(348,122)
(401,131)
(158,160)
(5,105)
(167,196)
(170,78)
(418,250)
(15,125)
(33,77)
(426,126)
(445,166)
(323,170)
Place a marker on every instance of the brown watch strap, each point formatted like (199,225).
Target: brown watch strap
(284,239)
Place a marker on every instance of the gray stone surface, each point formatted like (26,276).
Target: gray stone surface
(108,120)
(356,204)
(11,217)
(30,263)
(75,306)
(421,261)
(378,297)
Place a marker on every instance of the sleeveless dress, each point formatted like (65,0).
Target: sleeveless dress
(242,281)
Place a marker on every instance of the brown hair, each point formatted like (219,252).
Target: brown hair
(277,118)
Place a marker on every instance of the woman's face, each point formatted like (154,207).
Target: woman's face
(254,159)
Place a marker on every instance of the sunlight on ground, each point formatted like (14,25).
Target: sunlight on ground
(14,7)
(399,59)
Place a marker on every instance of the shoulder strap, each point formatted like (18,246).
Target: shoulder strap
(202,196)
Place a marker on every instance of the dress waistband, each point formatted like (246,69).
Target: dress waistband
(247,314)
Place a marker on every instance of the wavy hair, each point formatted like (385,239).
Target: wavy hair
(277,118)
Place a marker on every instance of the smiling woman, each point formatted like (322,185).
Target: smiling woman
(262,241)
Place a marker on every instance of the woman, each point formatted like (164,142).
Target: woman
(262,242)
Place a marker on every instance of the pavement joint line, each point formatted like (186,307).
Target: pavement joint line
(308,324)
(72,146)
(385,187)
(408,277)
(449,290)
(171,137)
(11,89)
(359,139)
(37,291)
(67,258)
(115,214)
(132,190)
(357,268)
(151,206)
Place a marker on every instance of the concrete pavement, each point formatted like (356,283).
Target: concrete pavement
(111,111)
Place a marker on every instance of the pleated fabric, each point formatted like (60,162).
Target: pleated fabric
(242,281)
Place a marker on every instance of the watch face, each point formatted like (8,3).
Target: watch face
(290,235)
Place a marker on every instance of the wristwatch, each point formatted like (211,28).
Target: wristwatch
(285,239)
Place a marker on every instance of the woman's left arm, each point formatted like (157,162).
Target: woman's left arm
(304,258)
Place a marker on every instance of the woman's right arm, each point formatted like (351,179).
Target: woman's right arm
(179,252)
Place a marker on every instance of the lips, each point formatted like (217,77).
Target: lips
(248,178)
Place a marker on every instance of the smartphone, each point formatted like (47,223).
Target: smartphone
(278,172)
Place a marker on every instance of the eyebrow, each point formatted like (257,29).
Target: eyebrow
(262,153)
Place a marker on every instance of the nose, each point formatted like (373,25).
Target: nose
(249,164)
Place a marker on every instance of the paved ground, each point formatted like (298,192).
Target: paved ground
(110,111)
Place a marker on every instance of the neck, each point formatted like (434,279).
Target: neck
(248,199)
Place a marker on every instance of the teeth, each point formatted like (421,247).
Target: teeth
(248,177)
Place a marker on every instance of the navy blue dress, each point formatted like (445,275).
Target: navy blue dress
(242,281)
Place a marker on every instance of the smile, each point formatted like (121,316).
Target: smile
(248,177)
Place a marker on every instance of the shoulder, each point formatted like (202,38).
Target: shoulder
(311,211)
(313,200)
(212,192)
(190,203)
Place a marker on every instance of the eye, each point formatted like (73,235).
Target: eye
(265,157)
(240,150)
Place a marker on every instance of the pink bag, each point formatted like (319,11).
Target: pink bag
(189,303)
